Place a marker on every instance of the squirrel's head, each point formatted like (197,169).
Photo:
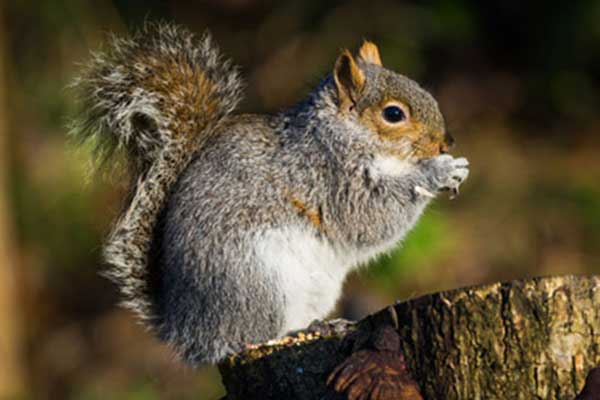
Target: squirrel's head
(402,115)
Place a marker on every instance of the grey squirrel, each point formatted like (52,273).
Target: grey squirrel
(241,228)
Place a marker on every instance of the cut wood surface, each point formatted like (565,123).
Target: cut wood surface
(527,339)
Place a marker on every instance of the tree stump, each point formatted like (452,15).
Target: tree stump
(527,339)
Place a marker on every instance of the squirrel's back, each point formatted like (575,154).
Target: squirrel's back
(211,293)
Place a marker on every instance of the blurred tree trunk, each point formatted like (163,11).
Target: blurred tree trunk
(11,379)
(530,339)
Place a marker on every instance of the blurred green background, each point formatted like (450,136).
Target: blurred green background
(518,83)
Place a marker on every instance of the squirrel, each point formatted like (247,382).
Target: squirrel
(241,228)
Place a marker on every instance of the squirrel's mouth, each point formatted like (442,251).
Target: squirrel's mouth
(433,145)
(427,149)
(417,145)
(448,143)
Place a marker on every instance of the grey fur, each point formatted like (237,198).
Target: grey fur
(198,211)
(142,95)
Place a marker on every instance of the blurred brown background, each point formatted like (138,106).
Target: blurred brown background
(517,81)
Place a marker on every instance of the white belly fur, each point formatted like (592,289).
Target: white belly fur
(311,270)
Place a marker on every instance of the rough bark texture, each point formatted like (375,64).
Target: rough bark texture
(528,339)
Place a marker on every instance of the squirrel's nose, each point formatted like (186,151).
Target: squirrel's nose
(447,144)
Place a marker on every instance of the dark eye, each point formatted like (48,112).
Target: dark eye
(393,114)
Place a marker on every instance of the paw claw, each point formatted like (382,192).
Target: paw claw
(454,193)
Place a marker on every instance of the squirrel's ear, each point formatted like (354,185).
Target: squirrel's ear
(370,53)
(349,79)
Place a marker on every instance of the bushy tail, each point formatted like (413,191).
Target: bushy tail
(158,95)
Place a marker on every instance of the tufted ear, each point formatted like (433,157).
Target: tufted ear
(370,53)
(349,79)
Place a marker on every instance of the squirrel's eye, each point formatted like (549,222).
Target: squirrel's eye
(393,114)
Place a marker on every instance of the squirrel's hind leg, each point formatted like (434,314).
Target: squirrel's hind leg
(207,318)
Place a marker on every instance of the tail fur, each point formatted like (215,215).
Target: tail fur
(159,96)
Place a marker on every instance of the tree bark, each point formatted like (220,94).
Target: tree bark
(527,339)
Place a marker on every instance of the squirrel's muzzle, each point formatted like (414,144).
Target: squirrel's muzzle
(447,143)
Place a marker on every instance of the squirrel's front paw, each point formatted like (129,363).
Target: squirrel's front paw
(442,173)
